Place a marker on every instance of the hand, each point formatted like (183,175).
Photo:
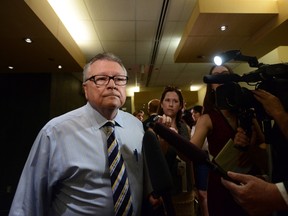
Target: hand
(274,108)
(155,202)
(271,103)
(166,120)
(255,195)
(242,142)
(241,139)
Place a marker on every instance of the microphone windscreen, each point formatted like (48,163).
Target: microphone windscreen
(188,149)
(160,176)
(184,146)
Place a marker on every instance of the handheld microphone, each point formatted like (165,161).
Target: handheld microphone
(159,173)
(187,148)
(158,170)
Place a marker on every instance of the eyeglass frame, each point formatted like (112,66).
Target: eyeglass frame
(116,79)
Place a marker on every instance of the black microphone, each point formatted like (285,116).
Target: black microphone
(221,78)
(160,176)
(161,179)
(187,148)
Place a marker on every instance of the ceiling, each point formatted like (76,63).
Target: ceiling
(161,42)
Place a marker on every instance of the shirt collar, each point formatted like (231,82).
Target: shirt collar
(98,120)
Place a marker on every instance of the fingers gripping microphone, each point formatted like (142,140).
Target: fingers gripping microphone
(187,148)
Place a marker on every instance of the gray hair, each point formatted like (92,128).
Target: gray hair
(102,56)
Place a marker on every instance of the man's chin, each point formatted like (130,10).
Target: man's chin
(114,104)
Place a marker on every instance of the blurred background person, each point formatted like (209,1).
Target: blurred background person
(152,110)
(139,114)
(187,117)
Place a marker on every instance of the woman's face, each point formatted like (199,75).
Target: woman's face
(195,115)
(219,70)
(171,104)
(140,116)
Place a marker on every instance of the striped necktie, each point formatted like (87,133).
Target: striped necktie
(119,180)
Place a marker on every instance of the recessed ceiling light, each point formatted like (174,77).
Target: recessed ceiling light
(11,67)
(59,66)
(28,40)
(223,28)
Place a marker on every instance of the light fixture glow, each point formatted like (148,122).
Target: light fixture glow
(237,56)
(59,66)
(218,60)
(195,87)
(223,28)
(136,89)
(130,90)
(11,67)
(28,40)
(75,18)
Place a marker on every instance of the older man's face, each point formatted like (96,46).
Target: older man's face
(105,97)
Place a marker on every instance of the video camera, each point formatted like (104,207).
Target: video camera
(272,78)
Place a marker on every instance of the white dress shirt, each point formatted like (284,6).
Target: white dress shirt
(67,171)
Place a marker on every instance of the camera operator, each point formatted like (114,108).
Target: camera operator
(255,195)
(219,126)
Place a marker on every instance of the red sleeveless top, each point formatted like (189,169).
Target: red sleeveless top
(220,201)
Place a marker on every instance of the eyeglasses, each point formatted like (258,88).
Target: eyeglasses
(102,80)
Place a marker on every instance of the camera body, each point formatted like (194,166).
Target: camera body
(230,95)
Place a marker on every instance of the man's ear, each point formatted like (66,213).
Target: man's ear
(84,85)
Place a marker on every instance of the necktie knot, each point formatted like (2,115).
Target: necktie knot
(109,127)
(110,124)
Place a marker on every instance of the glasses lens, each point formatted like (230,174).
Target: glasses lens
(104,80)
(101,80)
(120,80)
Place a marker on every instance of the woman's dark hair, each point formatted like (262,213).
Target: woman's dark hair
(209,99)
(137,112)
(181,100)
(187,117)
(198,109)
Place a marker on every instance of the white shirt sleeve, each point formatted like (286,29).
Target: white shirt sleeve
(283,191)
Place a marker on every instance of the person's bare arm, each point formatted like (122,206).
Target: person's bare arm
(202,127)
